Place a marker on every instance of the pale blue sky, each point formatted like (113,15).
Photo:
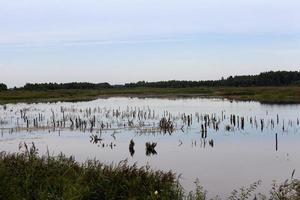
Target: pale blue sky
(121,41)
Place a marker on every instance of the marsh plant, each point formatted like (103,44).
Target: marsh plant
(289,190)
(26,175)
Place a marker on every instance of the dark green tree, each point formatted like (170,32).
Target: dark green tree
(3,87)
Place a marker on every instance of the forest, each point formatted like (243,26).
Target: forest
(278,78)
(271,78)
(65,86)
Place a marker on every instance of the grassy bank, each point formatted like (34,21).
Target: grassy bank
(261,94)
(28,176)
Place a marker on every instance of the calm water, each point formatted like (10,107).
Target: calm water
(227,157)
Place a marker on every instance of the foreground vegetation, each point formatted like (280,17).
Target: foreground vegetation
(28,176)
(262,94)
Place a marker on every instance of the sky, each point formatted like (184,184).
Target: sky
(119,41)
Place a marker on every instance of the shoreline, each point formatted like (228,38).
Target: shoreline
(264,95)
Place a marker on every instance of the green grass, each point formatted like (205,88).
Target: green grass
(28,176)
(261,94)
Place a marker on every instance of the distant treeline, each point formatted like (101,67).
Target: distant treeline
(65,86)
(278,78)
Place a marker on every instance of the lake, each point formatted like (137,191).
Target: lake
(225,144)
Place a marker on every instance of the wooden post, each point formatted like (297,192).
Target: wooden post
(276,139)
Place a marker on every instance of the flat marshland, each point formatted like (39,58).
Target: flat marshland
(262,94)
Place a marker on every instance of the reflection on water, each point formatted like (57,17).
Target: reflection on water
(224,144)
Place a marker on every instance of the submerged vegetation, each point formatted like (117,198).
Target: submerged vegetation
(27,175)
(103,125)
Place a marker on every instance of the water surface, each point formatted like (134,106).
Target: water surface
(227,157)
